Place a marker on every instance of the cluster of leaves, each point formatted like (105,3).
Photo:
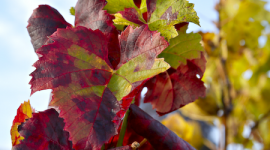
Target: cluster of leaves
(236,74)
(98,66)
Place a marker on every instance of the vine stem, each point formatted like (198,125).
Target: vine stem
(123,130)
(135,145)
(142,142)
(226,91)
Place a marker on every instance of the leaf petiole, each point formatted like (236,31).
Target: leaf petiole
(123,130)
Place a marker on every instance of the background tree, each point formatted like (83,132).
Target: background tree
(237,76)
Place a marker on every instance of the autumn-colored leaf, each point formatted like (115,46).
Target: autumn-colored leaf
(175,88)
(130,13)
(184,46)
(168,13)
(158,135)
(137,3)
(141,41)
(161,15)
(24,112)
(43,22)
(86,89)
(78,84)
(44,131)
(89,14)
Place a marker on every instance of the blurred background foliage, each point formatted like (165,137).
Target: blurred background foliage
(237,77)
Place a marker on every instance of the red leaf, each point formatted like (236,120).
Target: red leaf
(89,118)
(138,41)
(44,131)
(24,112)
(151,7)
(96,114)
(43,22)
(137,3)
(131,14)
(89,13)
(137,100)
(180,25)
(135,42)
(160,137)
(60,64)
(174,89)
(75,66)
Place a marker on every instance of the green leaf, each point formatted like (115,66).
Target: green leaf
(121,81)
(182,8)
(165,15)
(167,31)
(114,6)
(184,46)
(143,6)
(169,13)
(72,11)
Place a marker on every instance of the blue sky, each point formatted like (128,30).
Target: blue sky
(17,55)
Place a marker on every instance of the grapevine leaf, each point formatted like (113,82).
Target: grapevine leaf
(89,14)
(43,22)
(138,62)
(86,89)
(137,3)
(114,6)
(130,13)
(44,131)
(141,4)
(173,11)
(140,41)
(126,8)
(90,118)
(175,88)
(24,112)
(78,75)
(161,16)
(73,50)
(184,46)
(157,134)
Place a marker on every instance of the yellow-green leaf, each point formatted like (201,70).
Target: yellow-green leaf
(114,6)
(184,46)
